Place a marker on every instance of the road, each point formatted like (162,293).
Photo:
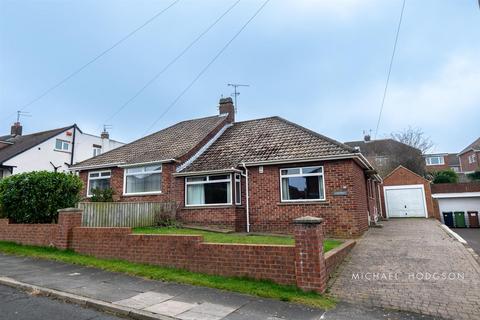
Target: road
(19,305)
(472,236)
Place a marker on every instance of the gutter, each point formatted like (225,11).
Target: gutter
(97,166)
(199,173)
(145,163)
(247,200)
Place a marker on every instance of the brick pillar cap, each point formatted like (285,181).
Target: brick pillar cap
(69,210)
(308,220)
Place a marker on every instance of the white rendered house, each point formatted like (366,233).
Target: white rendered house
(52,150)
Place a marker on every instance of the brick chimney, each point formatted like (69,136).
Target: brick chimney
(105,135)
(367,138)
(16,129)
(226,107)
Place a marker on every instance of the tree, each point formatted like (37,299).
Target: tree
(445,176)
(414,137)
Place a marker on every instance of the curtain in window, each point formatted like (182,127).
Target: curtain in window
(195,194)
(285,189)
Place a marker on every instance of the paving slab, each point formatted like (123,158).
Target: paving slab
(144,300)
(171,307)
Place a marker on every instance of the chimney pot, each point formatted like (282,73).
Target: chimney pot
(105,135)
(367,137)
(226,107)
(16,129)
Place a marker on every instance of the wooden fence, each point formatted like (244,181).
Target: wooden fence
(125,214)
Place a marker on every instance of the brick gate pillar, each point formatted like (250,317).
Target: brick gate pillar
(310,269)
(68,219)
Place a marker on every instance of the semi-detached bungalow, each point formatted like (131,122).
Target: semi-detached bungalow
(255,175)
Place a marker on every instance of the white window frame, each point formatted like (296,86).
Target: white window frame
(238,178)
(125,174)
(97,178)
(64,143)
(429,162)
(97,151)
(472,158)
(208,182)
(301,174)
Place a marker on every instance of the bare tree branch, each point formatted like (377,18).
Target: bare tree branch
(414,137)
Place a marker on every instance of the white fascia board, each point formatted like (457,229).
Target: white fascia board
(129,165)
(206,172)
(97,166)
(456,195)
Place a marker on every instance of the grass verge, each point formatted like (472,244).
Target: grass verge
(261,288)
(217,237)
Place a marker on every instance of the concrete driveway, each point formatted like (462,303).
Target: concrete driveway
(412,265)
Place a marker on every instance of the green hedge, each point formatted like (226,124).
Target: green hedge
(35,197)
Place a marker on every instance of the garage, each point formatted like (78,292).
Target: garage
(405,201)
(459,210)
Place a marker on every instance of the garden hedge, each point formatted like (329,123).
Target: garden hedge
(35,197)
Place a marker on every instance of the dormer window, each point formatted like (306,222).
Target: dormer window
(434,160)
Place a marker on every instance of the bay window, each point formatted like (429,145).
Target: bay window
(208,190)
(143,180)
(98,180)
(302,184)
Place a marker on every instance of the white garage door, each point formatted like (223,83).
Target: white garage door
(405,201)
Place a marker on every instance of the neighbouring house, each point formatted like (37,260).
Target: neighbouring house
(52,150)
(387,154)
(470,157)
(255,175)
(442,161)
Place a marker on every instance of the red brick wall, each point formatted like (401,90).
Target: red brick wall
(302,265)
(334,257)
(402,176)
(344,215)
(467,167)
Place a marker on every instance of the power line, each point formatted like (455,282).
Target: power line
(219,53)
(101,54)
(168,65)
(390,68)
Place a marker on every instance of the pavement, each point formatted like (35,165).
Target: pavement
(412,265)
(471,235)
(15,304)
(147,299)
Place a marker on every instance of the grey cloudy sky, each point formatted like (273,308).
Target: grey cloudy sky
(319,63)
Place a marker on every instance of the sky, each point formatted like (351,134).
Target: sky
(322,64)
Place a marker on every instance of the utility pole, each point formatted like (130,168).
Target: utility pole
(236,93)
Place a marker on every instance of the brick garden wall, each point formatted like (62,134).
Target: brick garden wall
(303,264)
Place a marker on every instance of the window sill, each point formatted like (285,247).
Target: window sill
(141,194)
(293,203)
(63,151)
(215,206)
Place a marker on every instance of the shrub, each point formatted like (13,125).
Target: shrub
(474,175)
(445,176)
(166,219)
(99,195)
(35,197)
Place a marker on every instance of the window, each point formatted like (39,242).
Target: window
(62,145)
(97,150)
(435,160)
(143,180)
(302,184)
(238,189)
(208,190)
(98,180)
(472,158)
(381,160)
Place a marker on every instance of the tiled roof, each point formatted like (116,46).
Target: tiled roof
(269,139)
(169,143)
(380,147)
(474,145)
(25,142)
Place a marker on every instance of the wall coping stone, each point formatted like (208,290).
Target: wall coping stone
(308,220)
(70,210)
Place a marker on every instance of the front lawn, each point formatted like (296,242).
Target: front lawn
(218,237)
(261,288)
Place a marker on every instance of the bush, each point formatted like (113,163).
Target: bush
(35,197)
(166,219)
(99,195)
(445,176)
(474,175)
